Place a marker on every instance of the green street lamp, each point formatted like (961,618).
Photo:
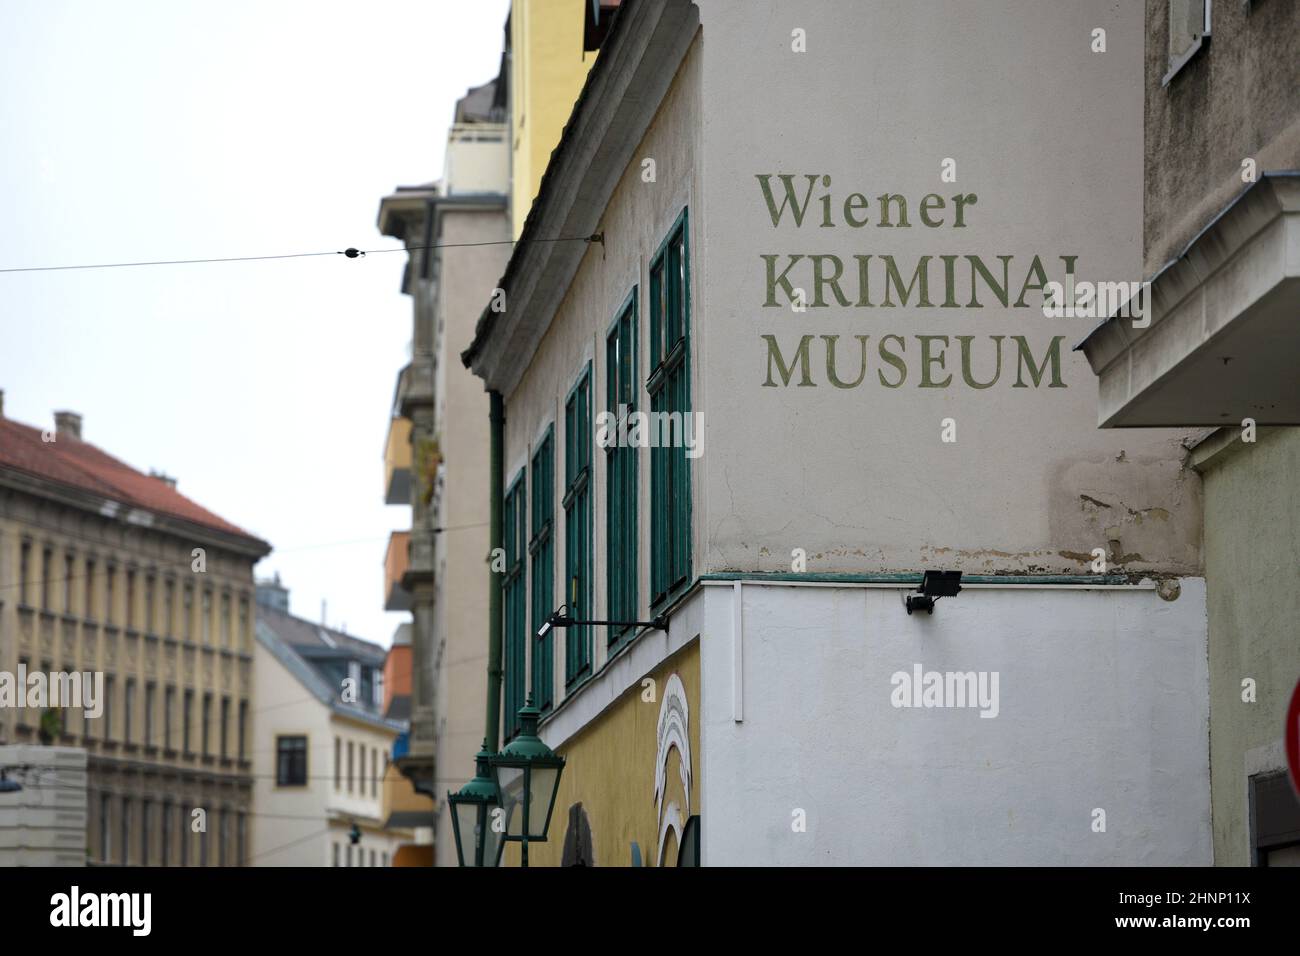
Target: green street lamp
(528,778)
(471,815)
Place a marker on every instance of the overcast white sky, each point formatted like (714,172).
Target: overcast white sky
(137,130)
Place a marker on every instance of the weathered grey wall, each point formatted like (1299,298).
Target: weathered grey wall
(1235,100)
(1048,135)
(1252,568)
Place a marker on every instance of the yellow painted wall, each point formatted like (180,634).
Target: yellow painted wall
(611,772)
(547,70)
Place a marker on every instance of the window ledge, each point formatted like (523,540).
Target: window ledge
(1201,43)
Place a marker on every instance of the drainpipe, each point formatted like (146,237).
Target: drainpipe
(497,420)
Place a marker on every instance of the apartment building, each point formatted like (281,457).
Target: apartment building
(322,758)
(113,572)
(457,233)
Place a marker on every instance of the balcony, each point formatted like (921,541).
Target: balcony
(396,563)
(397,463)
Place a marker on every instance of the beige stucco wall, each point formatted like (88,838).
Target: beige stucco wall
(288,820)
(859,478)
(1252,567)
(467,277)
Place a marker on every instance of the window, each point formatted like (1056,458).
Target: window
(110,580)
(107,715)
(350,766)
(361,769)
(47,559)
(338,763)
(124,842)
(145,807)
(150,625)
(69,575)
(89,610)
(169,607)
(165,835)
(225,620)
(541,550)
(128,708)
(577,527)
(225,725)
(374,772)
(670,394)
(336,854)
(514,529)
(243,623)
(185,835)
(130,597)
(203,847)
(187,609)
(372,857)
(20,715)
(207,722)
(223,836)
(205,624)
(620,474)
(105,826)
(169,702)
(243,727)
(186,719)
(349,854)
(241,838)
(150,692)
(1189,28)
(384,858)
(24,571)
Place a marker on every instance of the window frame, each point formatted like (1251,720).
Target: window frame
(283,779)
(578,510)
(670,371)
(622,468)
(541,566)
(514,601)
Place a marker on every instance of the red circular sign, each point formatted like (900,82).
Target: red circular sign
(1292,738)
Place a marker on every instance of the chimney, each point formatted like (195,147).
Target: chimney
(162,476)
(67,425)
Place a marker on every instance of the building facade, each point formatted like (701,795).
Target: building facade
(790,373)
(457,232)
(1217,353)
(324,744)
(115,573)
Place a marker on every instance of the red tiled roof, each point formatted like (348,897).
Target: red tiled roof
(70,461)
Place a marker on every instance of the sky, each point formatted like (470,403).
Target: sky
(137,131)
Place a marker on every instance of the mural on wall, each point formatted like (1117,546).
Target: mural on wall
(673,734)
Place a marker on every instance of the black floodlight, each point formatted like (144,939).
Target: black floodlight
(934,585)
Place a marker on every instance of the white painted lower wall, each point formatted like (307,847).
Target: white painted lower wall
(1102,704)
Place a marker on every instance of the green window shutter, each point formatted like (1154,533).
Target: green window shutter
(541,549)
(620,474)
(577,526)
(669,390)
(513,528)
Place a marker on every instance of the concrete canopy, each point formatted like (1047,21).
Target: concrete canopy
(1221,338)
